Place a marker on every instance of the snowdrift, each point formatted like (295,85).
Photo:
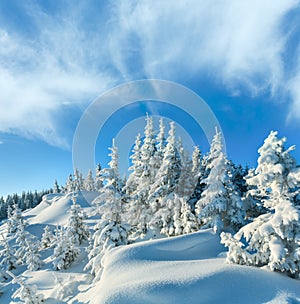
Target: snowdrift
(186,269)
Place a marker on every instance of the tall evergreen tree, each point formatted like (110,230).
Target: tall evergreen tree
(70,184)
(111,231)
(273,238)
(89,183)
(169,173)
(78,180)
(98,178)
(166,181)
(220,206)
(160,146)
(136,169)
(196,178)
(141,179)
(56,188)
(185,185)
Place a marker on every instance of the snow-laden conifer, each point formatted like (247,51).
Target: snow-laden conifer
(8,259)
(27,293)
(70,184)
(65,251)
(169,173)
(76,227)
(185,186)
(56,188)
(111,231)
(15,220)
(273,238)
(220,206)
(89,182)
(98,178)
(47,238)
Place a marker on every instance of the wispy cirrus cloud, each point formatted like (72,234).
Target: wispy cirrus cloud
(43,74)
(240,43)
(74,52)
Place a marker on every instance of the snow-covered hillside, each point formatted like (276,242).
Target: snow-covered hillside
(183,269)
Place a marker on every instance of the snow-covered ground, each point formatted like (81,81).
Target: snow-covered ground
(184,269)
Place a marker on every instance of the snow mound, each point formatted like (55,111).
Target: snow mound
(185,269)
(54,207)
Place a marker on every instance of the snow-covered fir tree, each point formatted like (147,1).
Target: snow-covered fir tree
(167,216)
(137,204)
(56,188)
(27,252)
(32,256)
(27,293)
(273,238)
(98,178)
(145,167)
(8,260)
(21,244)
(185,185)
(70,185)
(189,221)
(78,180)
(47,238)
(15,220)
(169,173)
(148,151)
(197,176)
(160,146)
(220,206)
(89,183)
(136,169)
(65,251)
(166,180)
(111,231)
(76,228)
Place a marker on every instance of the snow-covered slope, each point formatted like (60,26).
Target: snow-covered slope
(185,269)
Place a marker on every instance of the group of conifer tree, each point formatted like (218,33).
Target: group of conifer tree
(169,193)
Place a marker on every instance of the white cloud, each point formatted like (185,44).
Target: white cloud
(78,51)
(239,43)
(39,78)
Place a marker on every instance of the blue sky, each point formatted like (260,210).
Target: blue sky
(241,57)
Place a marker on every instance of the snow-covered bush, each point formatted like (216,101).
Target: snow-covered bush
(27,293)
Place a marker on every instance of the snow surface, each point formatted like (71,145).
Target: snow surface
(184,269)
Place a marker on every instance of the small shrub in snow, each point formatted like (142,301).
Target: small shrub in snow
(66,287)
(27,293)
